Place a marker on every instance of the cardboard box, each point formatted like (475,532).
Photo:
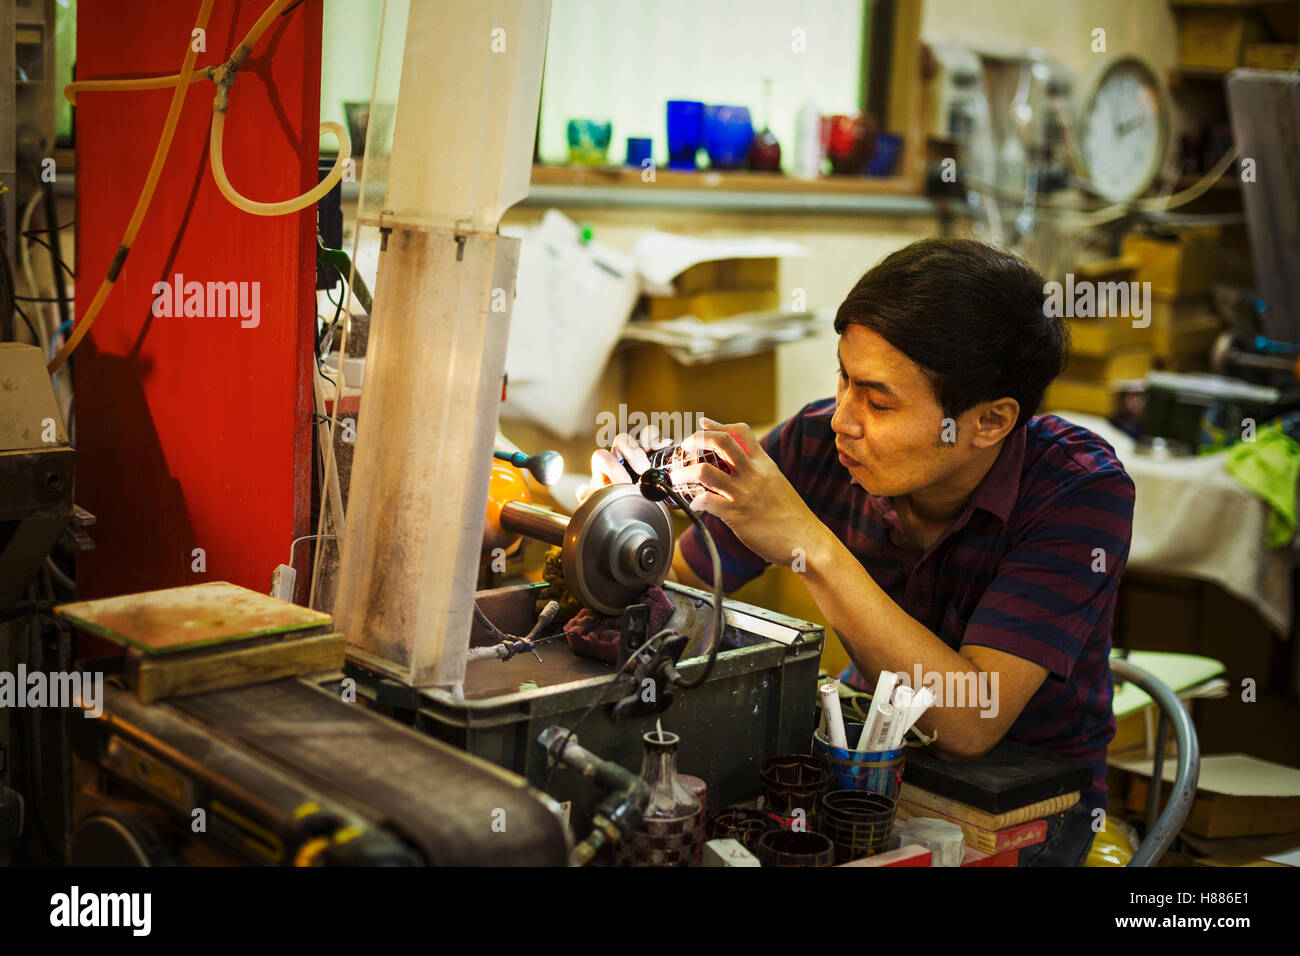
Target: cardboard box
(1241,851)
(1182,329)
(1176,268)
(1216,39)
(1101,338)
(732,390)
(1270,56)
(1128,362)
(1236,795)
(728,274)
(715,304)
(1092,398)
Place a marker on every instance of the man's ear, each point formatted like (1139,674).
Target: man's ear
(996,420)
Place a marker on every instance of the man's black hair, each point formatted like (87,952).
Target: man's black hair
(970,315)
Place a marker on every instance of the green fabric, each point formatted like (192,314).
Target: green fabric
(1269,466)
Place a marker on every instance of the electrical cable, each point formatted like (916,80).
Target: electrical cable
(654,482)
(7,303)
(60,284)
(338,310)
(632,659)
(64,265)
(28,322)
(59,576)
(29,273)
(661,485)
(58,228)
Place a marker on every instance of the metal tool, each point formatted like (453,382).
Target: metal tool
(545,466)
(617,544)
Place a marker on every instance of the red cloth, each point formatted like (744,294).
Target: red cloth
(595,635)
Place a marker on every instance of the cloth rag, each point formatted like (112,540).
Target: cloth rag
(1269,467)
(598,635)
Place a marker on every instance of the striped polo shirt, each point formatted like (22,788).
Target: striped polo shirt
(1030,567)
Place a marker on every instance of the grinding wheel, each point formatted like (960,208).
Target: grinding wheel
(617,544)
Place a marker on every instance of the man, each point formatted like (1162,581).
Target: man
(938,525)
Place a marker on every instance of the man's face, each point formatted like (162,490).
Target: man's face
(889,428)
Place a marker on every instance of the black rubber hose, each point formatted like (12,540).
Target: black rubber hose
(657,485)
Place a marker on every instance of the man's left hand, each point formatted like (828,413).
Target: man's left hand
(756,501)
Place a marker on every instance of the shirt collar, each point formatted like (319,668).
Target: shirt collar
(998,491)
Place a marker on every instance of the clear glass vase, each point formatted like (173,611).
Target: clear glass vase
(671,824)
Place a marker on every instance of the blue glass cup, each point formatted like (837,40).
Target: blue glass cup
(638,150)
(879,772)
(685,132)
(588,141)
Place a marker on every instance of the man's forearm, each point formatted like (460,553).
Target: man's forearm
(683,573)
(880,635)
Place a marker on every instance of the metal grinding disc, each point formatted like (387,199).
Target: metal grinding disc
(617,545)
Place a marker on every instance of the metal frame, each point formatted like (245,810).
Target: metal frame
(1162,830)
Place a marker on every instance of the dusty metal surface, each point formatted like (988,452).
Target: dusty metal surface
(440,799)
(176,619)
(559,665)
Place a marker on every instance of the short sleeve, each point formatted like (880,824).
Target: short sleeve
(1062,575)
(739,564)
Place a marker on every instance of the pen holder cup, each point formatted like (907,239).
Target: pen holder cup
(795,848)
(740,823)
(878,772)
(857,821)
(795,781)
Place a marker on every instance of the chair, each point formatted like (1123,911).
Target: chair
(1161,830)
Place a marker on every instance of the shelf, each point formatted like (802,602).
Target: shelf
(723,181)
(738,191)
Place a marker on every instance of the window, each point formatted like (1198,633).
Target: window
(622,60)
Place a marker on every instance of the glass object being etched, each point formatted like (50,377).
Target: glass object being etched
(671,823)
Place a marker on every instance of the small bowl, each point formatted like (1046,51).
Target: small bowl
(743,824)
(794,848)
(728,131)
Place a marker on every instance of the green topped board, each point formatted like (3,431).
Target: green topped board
(197,615)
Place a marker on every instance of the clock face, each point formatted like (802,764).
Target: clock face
(1124,131)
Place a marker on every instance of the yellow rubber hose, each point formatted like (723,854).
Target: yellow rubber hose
(142,201)
(287,205)
(144,83)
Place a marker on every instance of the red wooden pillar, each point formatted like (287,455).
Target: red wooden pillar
(194,432)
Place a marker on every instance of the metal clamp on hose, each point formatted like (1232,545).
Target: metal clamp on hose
(616,817)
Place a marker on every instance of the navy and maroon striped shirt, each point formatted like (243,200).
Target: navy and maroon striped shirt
(1030,567)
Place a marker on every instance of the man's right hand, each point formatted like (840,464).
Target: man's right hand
(607,469)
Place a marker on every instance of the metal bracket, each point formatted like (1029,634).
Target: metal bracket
(652,664)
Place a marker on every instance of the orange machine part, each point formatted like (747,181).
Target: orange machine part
(506,483)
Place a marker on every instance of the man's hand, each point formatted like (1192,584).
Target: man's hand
(606,469)
(756,501)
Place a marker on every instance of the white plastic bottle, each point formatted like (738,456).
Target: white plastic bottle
(808,153)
